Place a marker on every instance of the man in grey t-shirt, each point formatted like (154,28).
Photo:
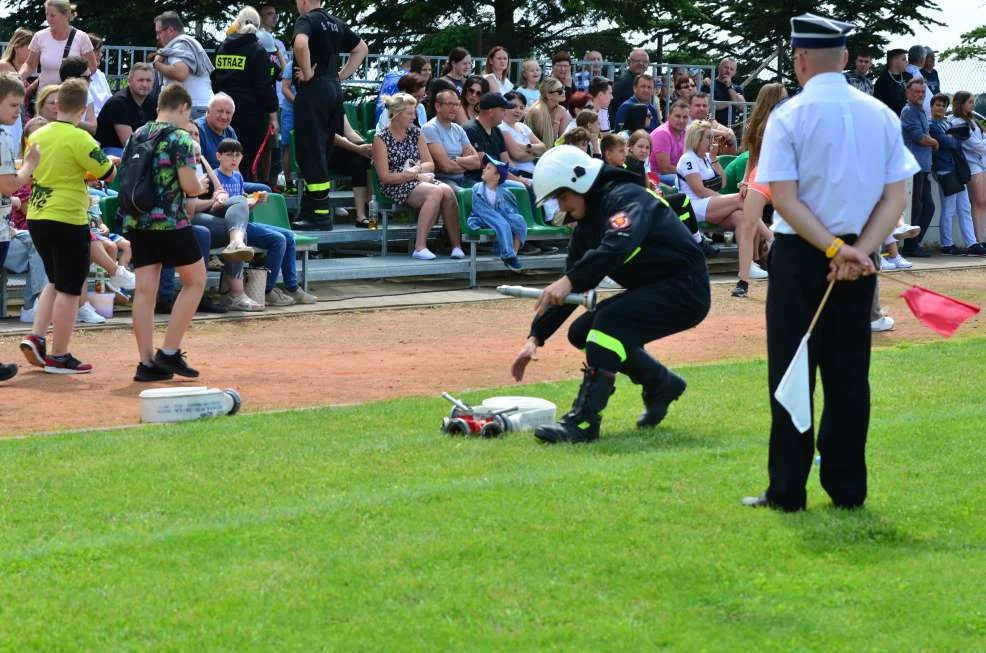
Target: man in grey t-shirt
(448,143)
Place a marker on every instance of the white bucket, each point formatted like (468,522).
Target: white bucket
(532,411)
(180,404)
(102,302)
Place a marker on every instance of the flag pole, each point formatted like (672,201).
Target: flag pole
(886,275)
(818,313)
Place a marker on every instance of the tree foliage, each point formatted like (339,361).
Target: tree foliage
(751,30)
(973,46)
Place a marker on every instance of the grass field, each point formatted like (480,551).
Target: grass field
(366,529)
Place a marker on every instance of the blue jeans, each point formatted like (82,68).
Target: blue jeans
(166,285)
(949,204)
(253,187)
(23,257)
(506,227)
(670,180)
(280,256)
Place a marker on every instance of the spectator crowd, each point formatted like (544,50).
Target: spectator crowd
(470,125)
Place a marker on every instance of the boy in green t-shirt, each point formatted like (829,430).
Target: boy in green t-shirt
(59,224)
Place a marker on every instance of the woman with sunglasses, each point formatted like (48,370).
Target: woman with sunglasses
(472,90)
(548,117)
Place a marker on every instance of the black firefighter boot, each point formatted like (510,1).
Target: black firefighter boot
(661,386)
(581,424)
(314,211)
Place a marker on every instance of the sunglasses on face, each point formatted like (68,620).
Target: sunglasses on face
(558,91)
(474,91)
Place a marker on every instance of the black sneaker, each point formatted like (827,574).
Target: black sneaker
(547,249)
(209,305)
(148,373)
(529,250)
(174,363)
(7,371)
(710,250)
(915,252)
(952,250)
(741,290)
(976,249)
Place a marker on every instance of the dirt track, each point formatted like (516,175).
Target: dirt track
(356,357)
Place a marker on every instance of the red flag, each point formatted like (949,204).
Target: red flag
(938,312)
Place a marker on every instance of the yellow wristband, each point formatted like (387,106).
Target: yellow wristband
(834,248)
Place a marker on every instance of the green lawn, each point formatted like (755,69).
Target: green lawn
(366,529)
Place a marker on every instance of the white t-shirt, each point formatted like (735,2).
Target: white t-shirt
(51,52)
(521,134)
(99,91)
(505,84)
(7,155)
(490,195)
(690,163)
(200,88)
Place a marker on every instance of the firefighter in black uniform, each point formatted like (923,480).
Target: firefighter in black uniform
(318,38)
(631,235)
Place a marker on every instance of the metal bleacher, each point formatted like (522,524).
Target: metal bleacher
(351,252)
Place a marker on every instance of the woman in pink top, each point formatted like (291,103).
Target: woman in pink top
(57,41)
(751,233)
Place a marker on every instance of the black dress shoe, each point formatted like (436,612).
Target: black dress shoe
(916,252)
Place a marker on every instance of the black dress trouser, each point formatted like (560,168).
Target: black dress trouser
(840,348)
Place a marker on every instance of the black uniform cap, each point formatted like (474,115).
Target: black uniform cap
(813,32)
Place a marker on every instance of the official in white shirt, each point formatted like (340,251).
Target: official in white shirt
(837,165)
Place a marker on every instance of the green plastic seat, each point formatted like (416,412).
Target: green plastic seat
(107,208)
(465,209)
(535,230)
(274,212)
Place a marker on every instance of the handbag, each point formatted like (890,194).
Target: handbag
(254,284)
(950,183)
(713,184)
(962,171)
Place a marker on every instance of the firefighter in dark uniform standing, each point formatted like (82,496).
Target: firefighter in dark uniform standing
(631,235)
(318,38)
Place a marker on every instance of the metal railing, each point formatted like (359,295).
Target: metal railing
(118,59)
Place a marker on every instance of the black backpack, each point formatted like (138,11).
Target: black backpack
(136,173)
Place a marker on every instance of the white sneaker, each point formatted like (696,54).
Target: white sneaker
(244,303)
(885,323)
(27,315)
(886,264)
(124,278)
(905,231)
(757,272)
(88,315)
(609,284)
(423,254)
(458,253)
(901,263)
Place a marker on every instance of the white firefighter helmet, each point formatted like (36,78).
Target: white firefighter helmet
(561,167)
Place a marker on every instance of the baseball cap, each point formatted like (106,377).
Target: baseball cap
(493,101)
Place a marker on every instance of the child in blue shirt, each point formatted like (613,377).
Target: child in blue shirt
(279,243)
(494,207)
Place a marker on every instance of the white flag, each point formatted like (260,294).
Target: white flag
(793,392)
